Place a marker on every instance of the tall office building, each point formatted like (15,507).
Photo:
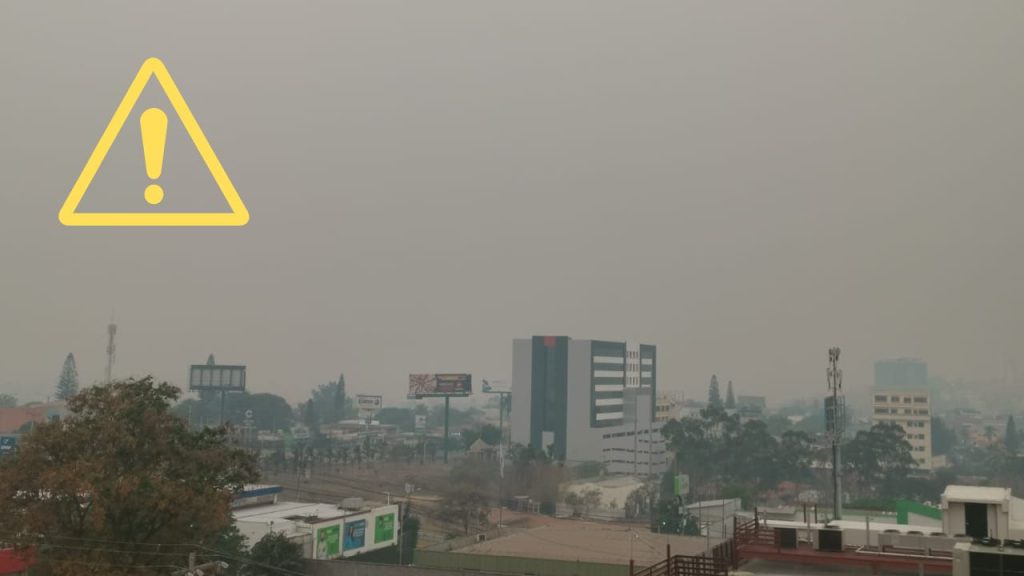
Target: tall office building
(589,401)
(901,374)
(901,396)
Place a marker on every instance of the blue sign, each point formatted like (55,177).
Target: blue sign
(7,444)
(355,535)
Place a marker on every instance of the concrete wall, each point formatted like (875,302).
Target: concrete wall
(460,563)
(583,442)
(349,568)
(522,376)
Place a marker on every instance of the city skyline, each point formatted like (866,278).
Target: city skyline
(427,183)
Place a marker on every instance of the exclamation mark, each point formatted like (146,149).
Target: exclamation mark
(154,137)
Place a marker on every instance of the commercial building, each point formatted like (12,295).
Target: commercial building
(665,408)
(900,396)
(589,401)
(325,531)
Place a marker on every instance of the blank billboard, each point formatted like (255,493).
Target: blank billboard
(215,377)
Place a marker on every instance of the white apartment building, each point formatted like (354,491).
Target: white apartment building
(911,409)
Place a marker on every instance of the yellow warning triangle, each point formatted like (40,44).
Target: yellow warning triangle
(69,215)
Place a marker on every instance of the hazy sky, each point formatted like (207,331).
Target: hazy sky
(741,184)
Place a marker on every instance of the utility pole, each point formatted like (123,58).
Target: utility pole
(446,402)
(835,419)
(503,397)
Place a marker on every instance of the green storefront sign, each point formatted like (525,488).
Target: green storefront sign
(328,542)
(384,528)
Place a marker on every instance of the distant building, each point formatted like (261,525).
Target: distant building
(911,411)
(589,401)
(13,420)
(901,374)
(665,408)
(901,396)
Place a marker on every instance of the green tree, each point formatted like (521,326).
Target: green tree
(403,418)
(270,411)
(468,437)
(1011,439)
(275,554)
(67,384)
(730,398)
(490,434)
(230,545)
(331,402)
(714,394)
(467,496)
(8,401)
(123,469)
(943,438)
(881,459)
(311,416)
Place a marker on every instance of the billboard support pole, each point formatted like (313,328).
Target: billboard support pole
(446,399)
(221,407)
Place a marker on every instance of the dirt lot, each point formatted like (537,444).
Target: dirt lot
(594,542)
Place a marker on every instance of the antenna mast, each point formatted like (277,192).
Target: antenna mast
(835,420)
(111,349)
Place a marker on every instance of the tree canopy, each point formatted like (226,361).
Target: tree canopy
(714,394)
(122,469)
(67,384)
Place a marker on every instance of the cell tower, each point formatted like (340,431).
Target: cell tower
(111,349)
(835,422)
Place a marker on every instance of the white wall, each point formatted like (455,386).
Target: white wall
(522,375)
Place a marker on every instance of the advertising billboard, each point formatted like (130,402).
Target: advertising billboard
(328,542)
(367,402)
(355,535)
(421,422)
(216,377)
(8,444)
(436,385)
(384,528)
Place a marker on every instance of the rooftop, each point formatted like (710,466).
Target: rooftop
(983,494)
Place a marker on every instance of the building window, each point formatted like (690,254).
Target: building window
(880,398)
(920,399)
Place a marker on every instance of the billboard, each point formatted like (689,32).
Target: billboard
(421,422)
(328,542)
(438,385)
(8,444)
(216,377)
(355,535)
(367,402)
(384,528)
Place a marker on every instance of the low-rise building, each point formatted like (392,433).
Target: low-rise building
(325,531)
(982,512)
(988,559)
(18,419)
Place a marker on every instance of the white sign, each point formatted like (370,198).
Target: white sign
(367,402)
(421,422)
